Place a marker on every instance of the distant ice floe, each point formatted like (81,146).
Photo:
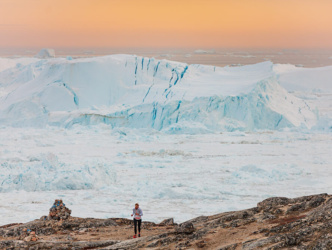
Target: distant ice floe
(201,51)
(45,53)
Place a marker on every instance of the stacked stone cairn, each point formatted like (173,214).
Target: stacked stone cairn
(59,211)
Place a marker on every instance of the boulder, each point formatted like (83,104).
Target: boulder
(167,222)
(185,228)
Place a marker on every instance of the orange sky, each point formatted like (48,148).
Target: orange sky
(171,23)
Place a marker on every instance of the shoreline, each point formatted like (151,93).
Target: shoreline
(277,222)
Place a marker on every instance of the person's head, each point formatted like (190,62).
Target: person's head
(136,206)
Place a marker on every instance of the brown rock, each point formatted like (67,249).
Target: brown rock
(28,238)
(185,227)
(167,222)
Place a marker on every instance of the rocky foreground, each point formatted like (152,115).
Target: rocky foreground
(276,223)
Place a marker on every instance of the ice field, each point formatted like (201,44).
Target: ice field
(182,140)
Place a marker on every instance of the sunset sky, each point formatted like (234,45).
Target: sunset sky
(171,23)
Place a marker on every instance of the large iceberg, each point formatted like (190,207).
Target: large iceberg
(140,92)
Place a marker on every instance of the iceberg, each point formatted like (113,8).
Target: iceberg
(139,92)
(45,53)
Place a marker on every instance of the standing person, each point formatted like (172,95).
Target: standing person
(137,213)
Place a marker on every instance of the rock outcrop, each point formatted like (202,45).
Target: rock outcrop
(276,223)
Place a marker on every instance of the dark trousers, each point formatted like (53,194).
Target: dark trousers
(137,223)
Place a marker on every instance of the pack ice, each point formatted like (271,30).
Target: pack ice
(138,92)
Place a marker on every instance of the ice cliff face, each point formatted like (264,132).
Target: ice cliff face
(139,92)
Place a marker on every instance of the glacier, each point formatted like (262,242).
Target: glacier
(106,132)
